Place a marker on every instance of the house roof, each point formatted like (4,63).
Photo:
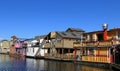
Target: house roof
(75,29)
(63,34)
(4,40)
(14,37)
(101,31)
(115,29)
(29,39)
(40,37)
(69,35)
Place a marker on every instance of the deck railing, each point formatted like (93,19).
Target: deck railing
(102,59)
(97,43)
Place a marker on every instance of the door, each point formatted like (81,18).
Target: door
(117,55)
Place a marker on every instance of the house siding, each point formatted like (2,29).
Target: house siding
(5,46)
(68,43)
(111,35)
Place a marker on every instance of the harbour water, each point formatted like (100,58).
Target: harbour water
(8,63)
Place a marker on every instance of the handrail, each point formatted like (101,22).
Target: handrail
(40,47)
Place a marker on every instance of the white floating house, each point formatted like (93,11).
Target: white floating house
(35,47)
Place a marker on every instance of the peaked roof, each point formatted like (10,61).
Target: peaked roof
(4,40)
(69,35)
(15,37)
(75,29)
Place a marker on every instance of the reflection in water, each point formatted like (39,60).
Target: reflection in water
(21,64)
(12,64)
(69,66)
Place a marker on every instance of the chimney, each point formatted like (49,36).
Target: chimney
(105,26)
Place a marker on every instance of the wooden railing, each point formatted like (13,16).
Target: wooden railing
(61,56)
(101,43)
(47,45)
(102,59)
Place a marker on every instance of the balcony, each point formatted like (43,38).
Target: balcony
(47,45)
(93,44)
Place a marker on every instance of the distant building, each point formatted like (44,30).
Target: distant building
(12,48)
(4,46)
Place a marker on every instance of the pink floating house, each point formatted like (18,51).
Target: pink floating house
(20,46)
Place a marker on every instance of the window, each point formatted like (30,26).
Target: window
(59,40)
(47,41)
(86,51)
(27,50)
(33,50)
(91,51)
(90,37)
(100,37)
(118,35)
(78,40)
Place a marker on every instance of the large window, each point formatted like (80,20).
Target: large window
(100,37)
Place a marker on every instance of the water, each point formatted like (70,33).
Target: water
(26,64)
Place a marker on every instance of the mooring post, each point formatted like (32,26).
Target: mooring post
(75,50)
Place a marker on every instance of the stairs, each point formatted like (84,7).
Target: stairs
(40,47)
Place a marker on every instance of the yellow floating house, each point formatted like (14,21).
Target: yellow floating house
(102,47)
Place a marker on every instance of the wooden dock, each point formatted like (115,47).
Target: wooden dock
(115,66)
(59,59)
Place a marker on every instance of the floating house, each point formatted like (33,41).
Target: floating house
(20,46)
(35,47)
(100,48)
(32,47)
(4,46)
(60,44)
(12,48)
(41,51)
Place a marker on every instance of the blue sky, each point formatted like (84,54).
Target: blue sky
(28,18)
